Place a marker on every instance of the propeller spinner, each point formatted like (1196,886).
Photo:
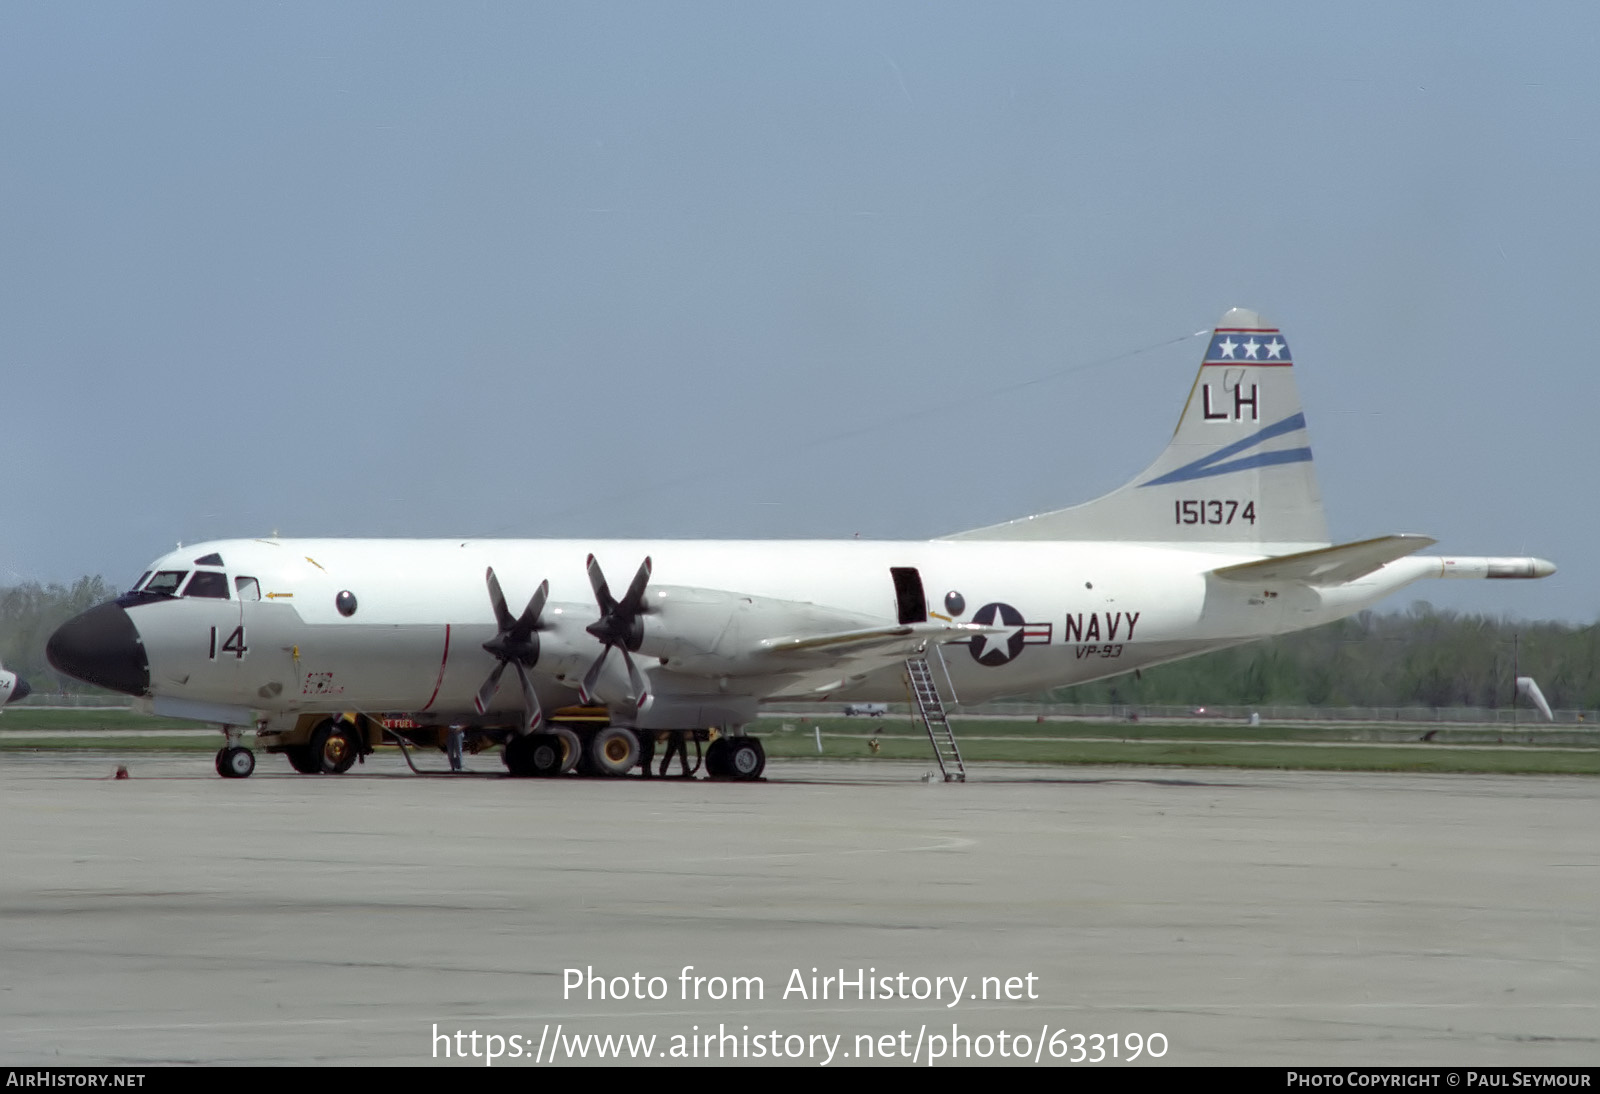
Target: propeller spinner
(516,644)
(621,625)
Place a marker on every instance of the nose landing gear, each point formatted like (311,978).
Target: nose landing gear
(235,762)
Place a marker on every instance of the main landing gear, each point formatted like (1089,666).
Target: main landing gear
(736,758)
(614,751)
(334,747)
(544,755)
(333,750)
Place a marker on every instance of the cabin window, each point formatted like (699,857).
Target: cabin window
(166,582)
(247,588)
(208,584)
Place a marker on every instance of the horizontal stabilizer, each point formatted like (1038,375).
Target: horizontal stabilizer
(1328,565)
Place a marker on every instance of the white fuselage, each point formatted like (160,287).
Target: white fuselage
(413,644)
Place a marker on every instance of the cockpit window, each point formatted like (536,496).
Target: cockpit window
(137,585)
(209,584)
(213,559)
(166,582)
(247,587)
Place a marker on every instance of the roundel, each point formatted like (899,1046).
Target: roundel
(997,649)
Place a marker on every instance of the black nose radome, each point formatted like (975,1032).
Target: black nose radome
(19,690)
(101,647)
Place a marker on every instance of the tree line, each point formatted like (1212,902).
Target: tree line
(1421,657)
(1418,657)
(30,613)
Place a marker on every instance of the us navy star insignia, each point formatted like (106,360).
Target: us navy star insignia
(1003,647)
(999,642)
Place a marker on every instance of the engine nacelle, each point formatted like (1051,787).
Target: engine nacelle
(722,633)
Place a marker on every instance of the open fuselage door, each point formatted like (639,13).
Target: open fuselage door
(911,603)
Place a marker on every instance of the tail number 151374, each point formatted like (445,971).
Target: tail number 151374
(1213,511)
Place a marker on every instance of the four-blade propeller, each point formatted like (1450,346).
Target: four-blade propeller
(621,625)
(517,643)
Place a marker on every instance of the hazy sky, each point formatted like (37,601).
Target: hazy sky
(691,269)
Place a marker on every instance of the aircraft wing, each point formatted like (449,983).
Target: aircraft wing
(903,638)
(1328,565)
(859,653)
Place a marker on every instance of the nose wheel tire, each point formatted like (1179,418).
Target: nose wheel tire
(334,748)
(236,763)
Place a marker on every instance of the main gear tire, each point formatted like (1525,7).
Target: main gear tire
(717,759)
(334,747)
(299,757)
(745,758)
(571,748)
(614,751)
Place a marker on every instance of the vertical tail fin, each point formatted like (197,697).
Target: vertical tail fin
(1238,469)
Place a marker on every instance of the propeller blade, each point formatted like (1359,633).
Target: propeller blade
(514,643)
(636,679)
(619,625)
(530,615)
(633,601)
(586,689)
(602,591)
(530,701)
(502,614)
(490,686)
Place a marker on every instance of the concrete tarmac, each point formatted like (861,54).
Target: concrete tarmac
(1279,918)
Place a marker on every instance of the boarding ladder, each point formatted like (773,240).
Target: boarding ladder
(925,696)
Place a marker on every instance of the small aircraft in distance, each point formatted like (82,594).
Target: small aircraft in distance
(12,687)
(314,643)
